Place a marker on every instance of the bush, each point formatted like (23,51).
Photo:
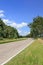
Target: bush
(1,38)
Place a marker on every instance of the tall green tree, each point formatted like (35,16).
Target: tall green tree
(2,27)
(36,27)
(7,31)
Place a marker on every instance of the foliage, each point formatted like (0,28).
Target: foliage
(7,40)
(36,27)
(7,31)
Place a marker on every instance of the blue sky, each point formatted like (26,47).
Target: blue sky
(19,13)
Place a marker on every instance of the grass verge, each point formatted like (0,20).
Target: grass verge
(11,40)
(32,55)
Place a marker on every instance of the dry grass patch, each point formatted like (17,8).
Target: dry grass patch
(40,40)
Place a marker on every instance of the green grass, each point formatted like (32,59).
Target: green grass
(32,55)
(6,40)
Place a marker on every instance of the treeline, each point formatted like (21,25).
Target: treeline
(7,31)
(36,27)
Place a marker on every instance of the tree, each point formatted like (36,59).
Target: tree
(2,27)
(36,27)
(7,31)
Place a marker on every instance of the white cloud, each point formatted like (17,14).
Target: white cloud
(14,24)
(7,21)
(19,25)
(23,33)
(2,13)
(19,31)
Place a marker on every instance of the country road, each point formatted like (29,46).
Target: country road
(11,49)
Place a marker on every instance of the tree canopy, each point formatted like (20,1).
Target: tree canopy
(7,31)
(36,27)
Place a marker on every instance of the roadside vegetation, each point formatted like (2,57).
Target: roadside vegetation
(32,55)
(36,27)
(6,40)
(7,31)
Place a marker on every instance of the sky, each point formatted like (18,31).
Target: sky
(20,13)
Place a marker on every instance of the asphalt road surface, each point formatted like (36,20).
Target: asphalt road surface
(9,50)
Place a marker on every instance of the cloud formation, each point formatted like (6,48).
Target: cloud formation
(1,13)
(7,21)
(19,25)
(14,24)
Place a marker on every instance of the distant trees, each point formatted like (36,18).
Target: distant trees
(7,31)
(36,27)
